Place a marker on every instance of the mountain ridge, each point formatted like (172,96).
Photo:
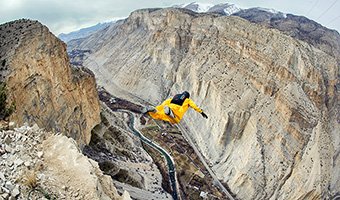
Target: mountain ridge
(248,77)
(83,32)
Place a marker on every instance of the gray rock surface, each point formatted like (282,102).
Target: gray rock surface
(298,27)
(120,155)
(272,100)
(61,164)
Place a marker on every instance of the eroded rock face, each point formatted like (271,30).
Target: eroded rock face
(272,100)
(44,87)
(120,155)
(53,164)
(298,27)
(68,166)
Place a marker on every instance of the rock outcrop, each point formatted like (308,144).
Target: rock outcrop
(271,99)
(298,27)
(41,83)
(36,164)
(48,91)
(120,155)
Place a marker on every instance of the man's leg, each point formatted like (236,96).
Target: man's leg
(168,111)
(148,109)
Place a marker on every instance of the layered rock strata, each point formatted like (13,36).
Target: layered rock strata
(41,83)
(272,100)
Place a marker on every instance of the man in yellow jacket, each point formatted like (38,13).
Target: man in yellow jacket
(173,109)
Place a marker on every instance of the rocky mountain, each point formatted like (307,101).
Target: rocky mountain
(62,99)
(272,99)
(42,84)
(222,8)
(84,32)
(85,43)
(194,6)
(298,27)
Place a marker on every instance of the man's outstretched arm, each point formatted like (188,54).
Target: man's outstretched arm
(196,108)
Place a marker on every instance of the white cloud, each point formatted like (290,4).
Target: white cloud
(68,15)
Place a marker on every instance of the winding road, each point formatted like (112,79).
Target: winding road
(106,98)
(168,158)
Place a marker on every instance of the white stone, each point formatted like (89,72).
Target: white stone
(7,139)
(203,194)
(11,125)
(10,163)
(9,185)
(24,138)
(8,149)
(40,154)
(18,137)
(18,162)
(5,196)
(76,194)
(5,190)
(40,176)
(35,128)
(2,176)
(27,163)
(15,192)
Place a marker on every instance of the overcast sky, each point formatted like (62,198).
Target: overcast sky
(63,16)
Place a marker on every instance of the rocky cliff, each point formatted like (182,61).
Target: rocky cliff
(298,27)
(41,83)
(36,164)
(272,99)
(48,91)
(121,155)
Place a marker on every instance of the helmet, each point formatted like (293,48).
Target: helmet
(186,94)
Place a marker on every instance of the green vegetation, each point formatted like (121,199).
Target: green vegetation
(5,111)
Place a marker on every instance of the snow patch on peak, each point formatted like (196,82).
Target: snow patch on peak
(270,10)
(196,7)
(231,10)
(203,7)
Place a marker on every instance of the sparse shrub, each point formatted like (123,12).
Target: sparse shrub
(5,111)
(29,179)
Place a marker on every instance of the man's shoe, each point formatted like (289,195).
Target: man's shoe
(148,109)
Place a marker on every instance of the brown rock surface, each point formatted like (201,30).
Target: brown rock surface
(44,87)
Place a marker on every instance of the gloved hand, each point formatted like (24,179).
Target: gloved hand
(204,115)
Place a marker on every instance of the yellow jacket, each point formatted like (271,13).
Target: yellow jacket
(178,110)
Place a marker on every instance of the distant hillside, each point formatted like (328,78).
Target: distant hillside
(84,32)
(222,8)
